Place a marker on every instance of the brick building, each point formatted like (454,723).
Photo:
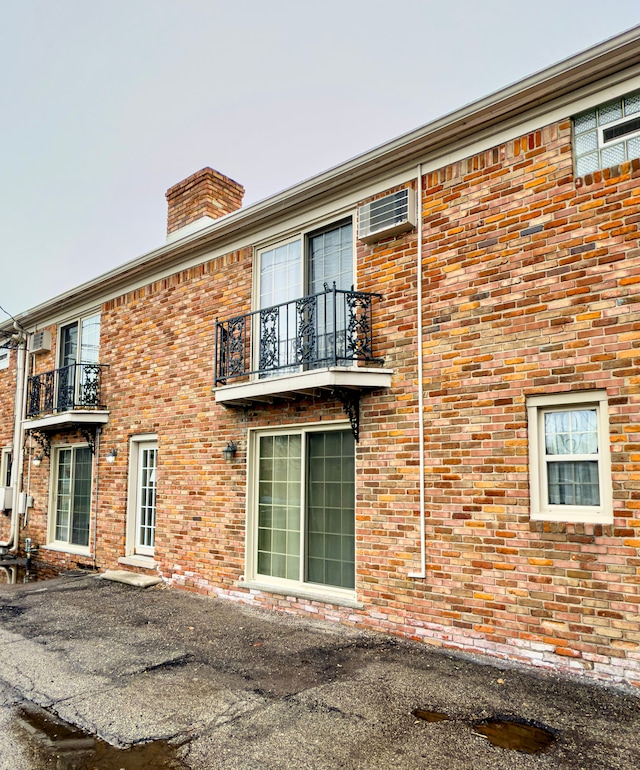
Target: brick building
(404,393)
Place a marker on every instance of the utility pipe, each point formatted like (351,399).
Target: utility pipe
(422,573)
(18,433)
(96,460)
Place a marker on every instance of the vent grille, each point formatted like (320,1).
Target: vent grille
(40,342)
(390,215)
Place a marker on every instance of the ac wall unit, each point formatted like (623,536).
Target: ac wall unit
(6,498)
(40,342)
(390,215)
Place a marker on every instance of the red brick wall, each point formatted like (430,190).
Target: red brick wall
(510,310)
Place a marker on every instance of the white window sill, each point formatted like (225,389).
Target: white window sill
(300,592)
(146,562)
(77,550)
(573,517)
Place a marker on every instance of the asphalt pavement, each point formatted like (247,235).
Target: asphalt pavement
(204,683)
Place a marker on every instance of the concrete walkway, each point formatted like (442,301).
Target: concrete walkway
(232,687)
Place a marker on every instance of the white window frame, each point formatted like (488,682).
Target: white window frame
(134,551)
(277,584)
(302,237)
(5,356)
(601,128)
(5,464)
(541,509)
(5,479)
(65,545)
(78,321)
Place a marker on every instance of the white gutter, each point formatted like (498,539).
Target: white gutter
(423,544)
(96,460)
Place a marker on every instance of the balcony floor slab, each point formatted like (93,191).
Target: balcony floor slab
(312,382)
(67,419)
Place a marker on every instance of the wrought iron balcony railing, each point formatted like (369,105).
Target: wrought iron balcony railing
(76,386)
(331,328)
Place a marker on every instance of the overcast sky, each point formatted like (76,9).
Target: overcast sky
(105,104)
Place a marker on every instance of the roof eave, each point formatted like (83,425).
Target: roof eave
(615,55)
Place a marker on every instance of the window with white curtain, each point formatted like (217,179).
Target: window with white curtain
(569,457)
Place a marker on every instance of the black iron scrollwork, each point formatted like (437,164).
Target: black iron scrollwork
(43,441)
(350,400)
(305,345)
(269,338)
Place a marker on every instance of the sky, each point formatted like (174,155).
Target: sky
(106,104)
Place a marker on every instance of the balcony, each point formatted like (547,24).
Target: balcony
(319,343)
(66,396)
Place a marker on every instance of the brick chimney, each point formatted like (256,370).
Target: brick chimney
(201,198)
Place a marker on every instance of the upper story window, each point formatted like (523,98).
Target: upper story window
(607,135)
(304,265)
(80,342)
(569,457)
(4,357)
(75,383)
(307,320)
(296,331)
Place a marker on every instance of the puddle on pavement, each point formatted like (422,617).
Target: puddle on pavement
(505,733)
(430,716)
(19,571)
(74,749)
(519,736)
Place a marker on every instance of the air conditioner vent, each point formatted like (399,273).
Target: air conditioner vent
(390,215)
(40,342)
(6,498)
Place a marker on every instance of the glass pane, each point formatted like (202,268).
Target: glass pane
(279,510)
(90,340)
(586,142)
(69,344)
(146,513)
(633,148)
(331,259)
(280,282)
(81,507)
(63,495)
(610,112)
(612,156)
(572,432)
(331,509)
(585,122)
(587,164)
(632,104)
(573,483)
